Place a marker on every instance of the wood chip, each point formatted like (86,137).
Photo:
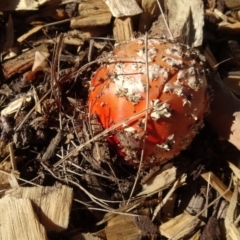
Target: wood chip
(196,236)
(234,233)
(122,29)
(180,226)
(129,227)
(196,204)
(160,182)
(18,220)
(51,204)
(229,219)
(88,9)
(23,62)
(123,8)
(235,169)
(189,24)
(218,185)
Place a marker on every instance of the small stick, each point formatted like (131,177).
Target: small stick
(52,146)
(12,156)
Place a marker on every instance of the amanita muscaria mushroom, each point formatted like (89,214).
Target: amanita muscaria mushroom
(168,82)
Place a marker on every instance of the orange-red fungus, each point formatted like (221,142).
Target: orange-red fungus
(168,82)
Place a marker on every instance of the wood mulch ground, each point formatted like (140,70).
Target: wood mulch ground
(80,187)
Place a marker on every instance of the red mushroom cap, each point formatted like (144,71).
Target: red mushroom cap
(173,81)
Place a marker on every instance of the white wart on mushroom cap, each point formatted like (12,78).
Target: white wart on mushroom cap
(177,98)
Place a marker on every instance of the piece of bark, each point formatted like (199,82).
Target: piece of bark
(23,62)
(122,29)
(123,8)
(129,227)
(91,13)
(224,115)
(51,204)
(18,220)
(180,226)
(218,185)
(212,230)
